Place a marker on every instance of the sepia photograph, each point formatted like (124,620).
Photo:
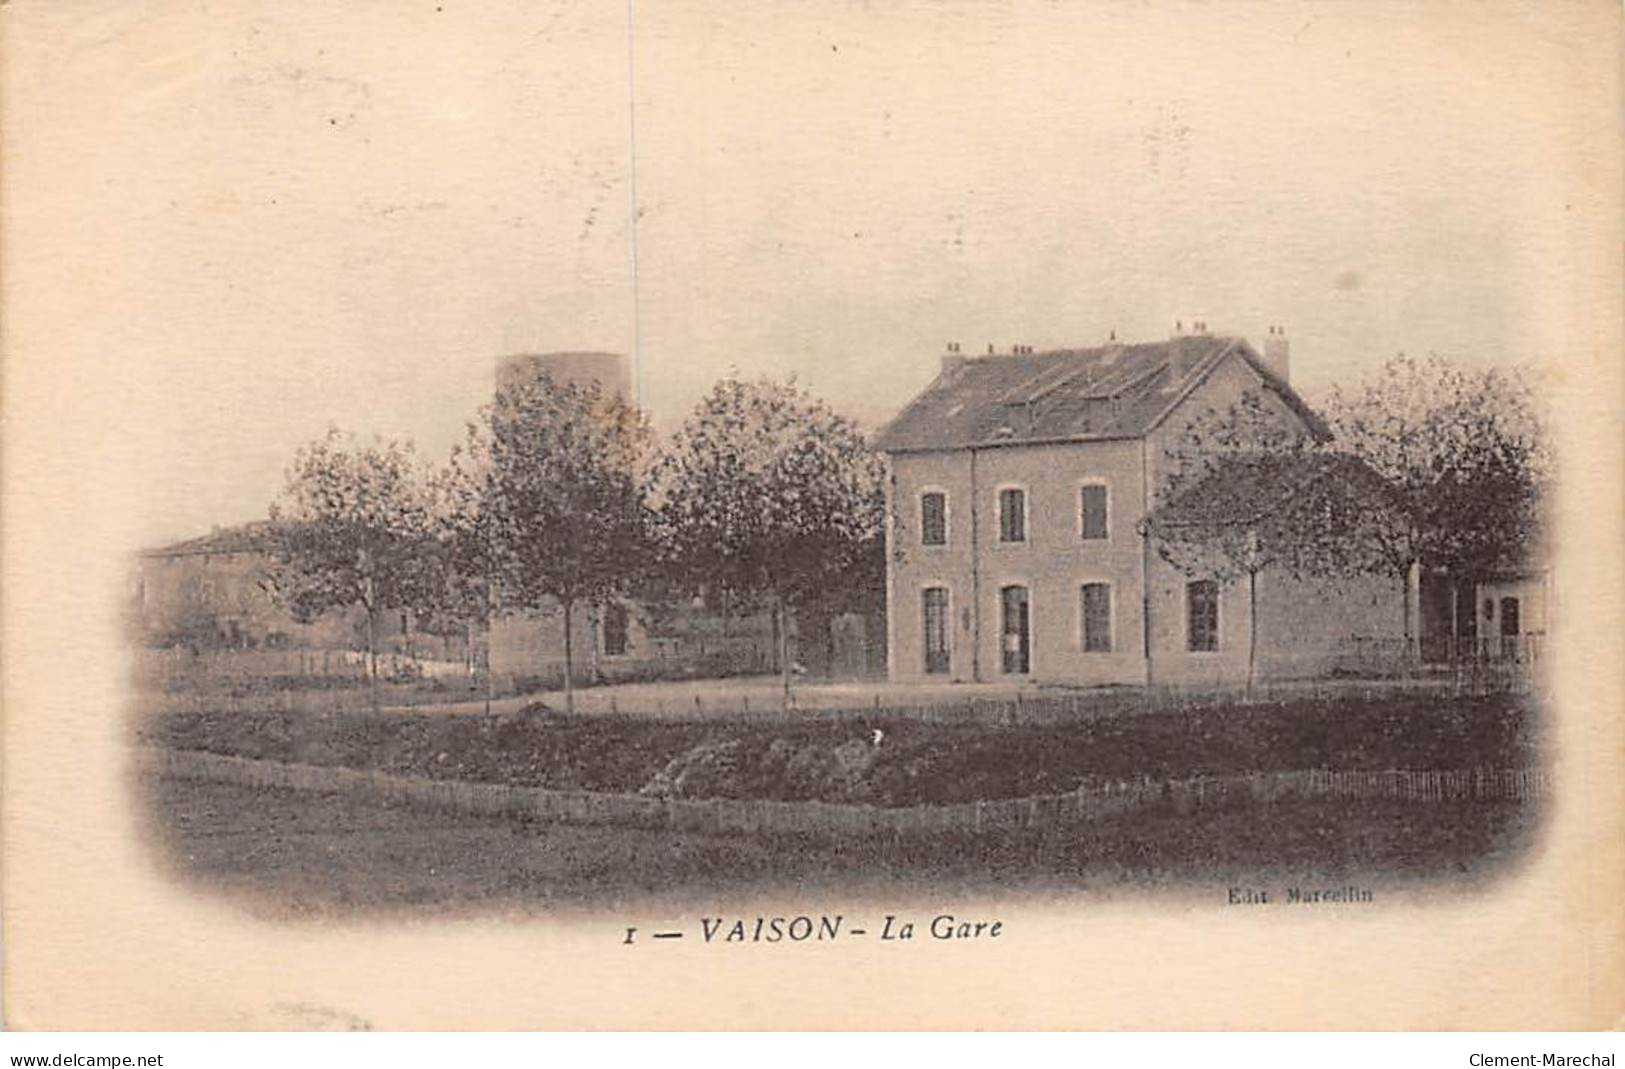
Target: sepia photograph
(1072,618)
(954,484)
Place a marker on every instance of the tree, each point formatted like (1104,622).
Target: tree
(1249,489)
(351,529)
(464,595)
(768,494)
(1466,455)
(562,518)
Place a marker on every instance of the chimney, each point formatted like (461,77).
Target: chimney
(1182,355)
(1278,353)
(952,358)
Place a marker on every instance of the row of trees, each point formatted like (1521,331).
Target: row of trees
(1423,465)
(559,498)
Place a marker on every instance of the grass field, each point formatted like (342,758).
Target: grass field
(836,758)
(302,854)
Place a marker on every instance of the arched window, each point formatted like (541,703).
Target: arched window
(934,622)
(1092,512)
(1012,514)
(934,518)
(1095,610)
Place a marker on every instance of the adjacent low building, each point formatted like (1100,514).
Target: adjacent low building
(1501,615)
(217,593)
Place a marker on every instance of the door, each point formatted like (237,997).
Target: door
(935,613)
(1016,630)
(1511,628)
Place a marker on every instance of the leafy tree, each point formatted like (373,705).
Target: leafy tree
(464,587)
(768,494)
(1249,489)
(1466,455)
(351,529)
(561,517)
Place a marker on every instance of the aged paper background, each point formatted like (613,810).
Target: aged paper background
(125,383)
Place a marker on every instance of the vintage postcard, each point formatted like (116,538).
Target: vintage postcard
(733,516)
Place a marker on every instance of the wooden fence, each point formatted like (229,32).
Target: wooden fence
(1479,665)
(835,820)
(1060,706)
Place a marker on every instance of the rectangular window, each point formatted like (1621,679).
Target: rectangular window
(1092,516)
(615,626)
(1012,515)
(934,519)
(1202,616)
(934,611)
(1096,609)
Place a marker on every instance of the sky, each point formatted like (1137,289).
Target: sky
(254,221)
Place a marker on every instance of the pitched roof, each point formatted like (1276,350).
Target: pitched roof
(251,537)
(1114,391)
